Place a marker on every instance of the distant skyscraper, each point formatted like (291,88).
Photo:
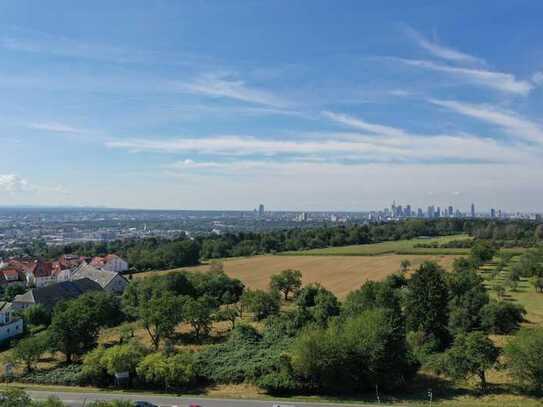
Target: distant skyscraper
(472,210)
(493,213)
(261,210)
(420,214)
(451,211)
(438,212)
(431,212)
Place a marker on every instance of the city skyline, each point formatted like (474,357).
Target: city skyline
(212,105)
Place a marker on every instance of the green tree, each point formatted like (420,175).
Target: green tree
(36,315)
(287,281)
(229,313)
(470,355)
(523,358)
(160,316)
(262,304)
(318,303)
(482,251)
(353,355)
(29,350)
(74,329)
(427,303)
(198,313)
(502,317)
(468,296)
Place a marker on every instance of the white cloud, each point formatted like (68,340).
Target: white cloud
(499,81)
(55,127)
(363,125)
(510,121)
(537,78)
(441,51)
(215,85)
(13,183)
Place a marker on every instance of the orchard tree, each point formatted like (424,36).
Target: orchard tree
(287,281)
(482,251)
(261,303)
(471,354)
(198,313)
(523,358)
(29,350)
(160,316)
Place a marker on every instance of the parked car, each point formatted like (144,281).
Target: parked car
(144,404)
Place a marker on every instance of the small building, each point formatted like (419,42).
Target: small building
(52,294)
(110,281)
(40,273)
(111,262)
(10,325)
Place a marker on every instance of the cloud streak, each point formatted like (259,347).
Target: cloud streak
(442,51)
(221,86)
(512,123)
(503,82)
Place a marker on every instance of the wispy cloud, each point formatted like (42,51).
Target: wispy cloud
(359,124)
(223,86)
(511,122)
(499,81)
(442,51)
(55,127)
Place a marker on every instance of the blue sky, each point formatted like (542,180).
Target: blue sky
(302,105)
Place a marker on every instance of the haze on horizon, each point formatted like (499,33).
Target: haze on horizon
(298,105)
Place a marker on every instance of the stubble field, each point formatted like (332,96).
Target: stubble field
(339,274)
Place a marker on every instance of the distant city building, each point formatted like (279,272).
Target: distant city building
(492,213)
(472,212)
(450,211)
(261,210)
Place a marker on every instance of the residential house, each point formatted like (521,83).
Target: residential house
(111,262)
(51,295)
(110,281)
(40,273)
(12,276)
(10,325)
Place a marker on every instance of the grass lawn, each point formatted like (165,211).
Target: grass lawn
(392,247)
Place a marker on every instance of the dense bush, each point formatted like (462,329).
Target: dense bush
(69,375)
(502,317)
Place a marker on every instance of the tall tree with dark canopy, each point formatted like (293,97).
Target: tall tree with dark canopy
(427,304)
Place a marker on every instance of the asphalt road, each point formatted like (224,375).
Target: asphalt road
(82,399)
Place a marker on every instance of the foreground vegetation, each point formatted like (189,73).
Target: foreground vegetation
(188,330)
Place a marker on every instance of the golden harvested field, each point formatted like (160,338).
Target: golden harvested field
(340,274)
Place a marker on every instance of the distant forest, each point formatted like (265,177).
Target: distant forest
(159,254)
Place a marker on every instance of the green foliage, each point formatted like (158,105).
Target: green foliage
(427,304)
(245,357)
(405,265)
(470,355)
(28,351)
(261,303)
(523,356)
(74,328)
(14,398)
(318,303)
(198,313)
(287,281)
(373,295)
(169,371)
(11,291)
(160,315)
(69,375)
(100,365)
(468,296)
(502,317)
(228,313)
(354,355)
(36,315)
(482,251)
